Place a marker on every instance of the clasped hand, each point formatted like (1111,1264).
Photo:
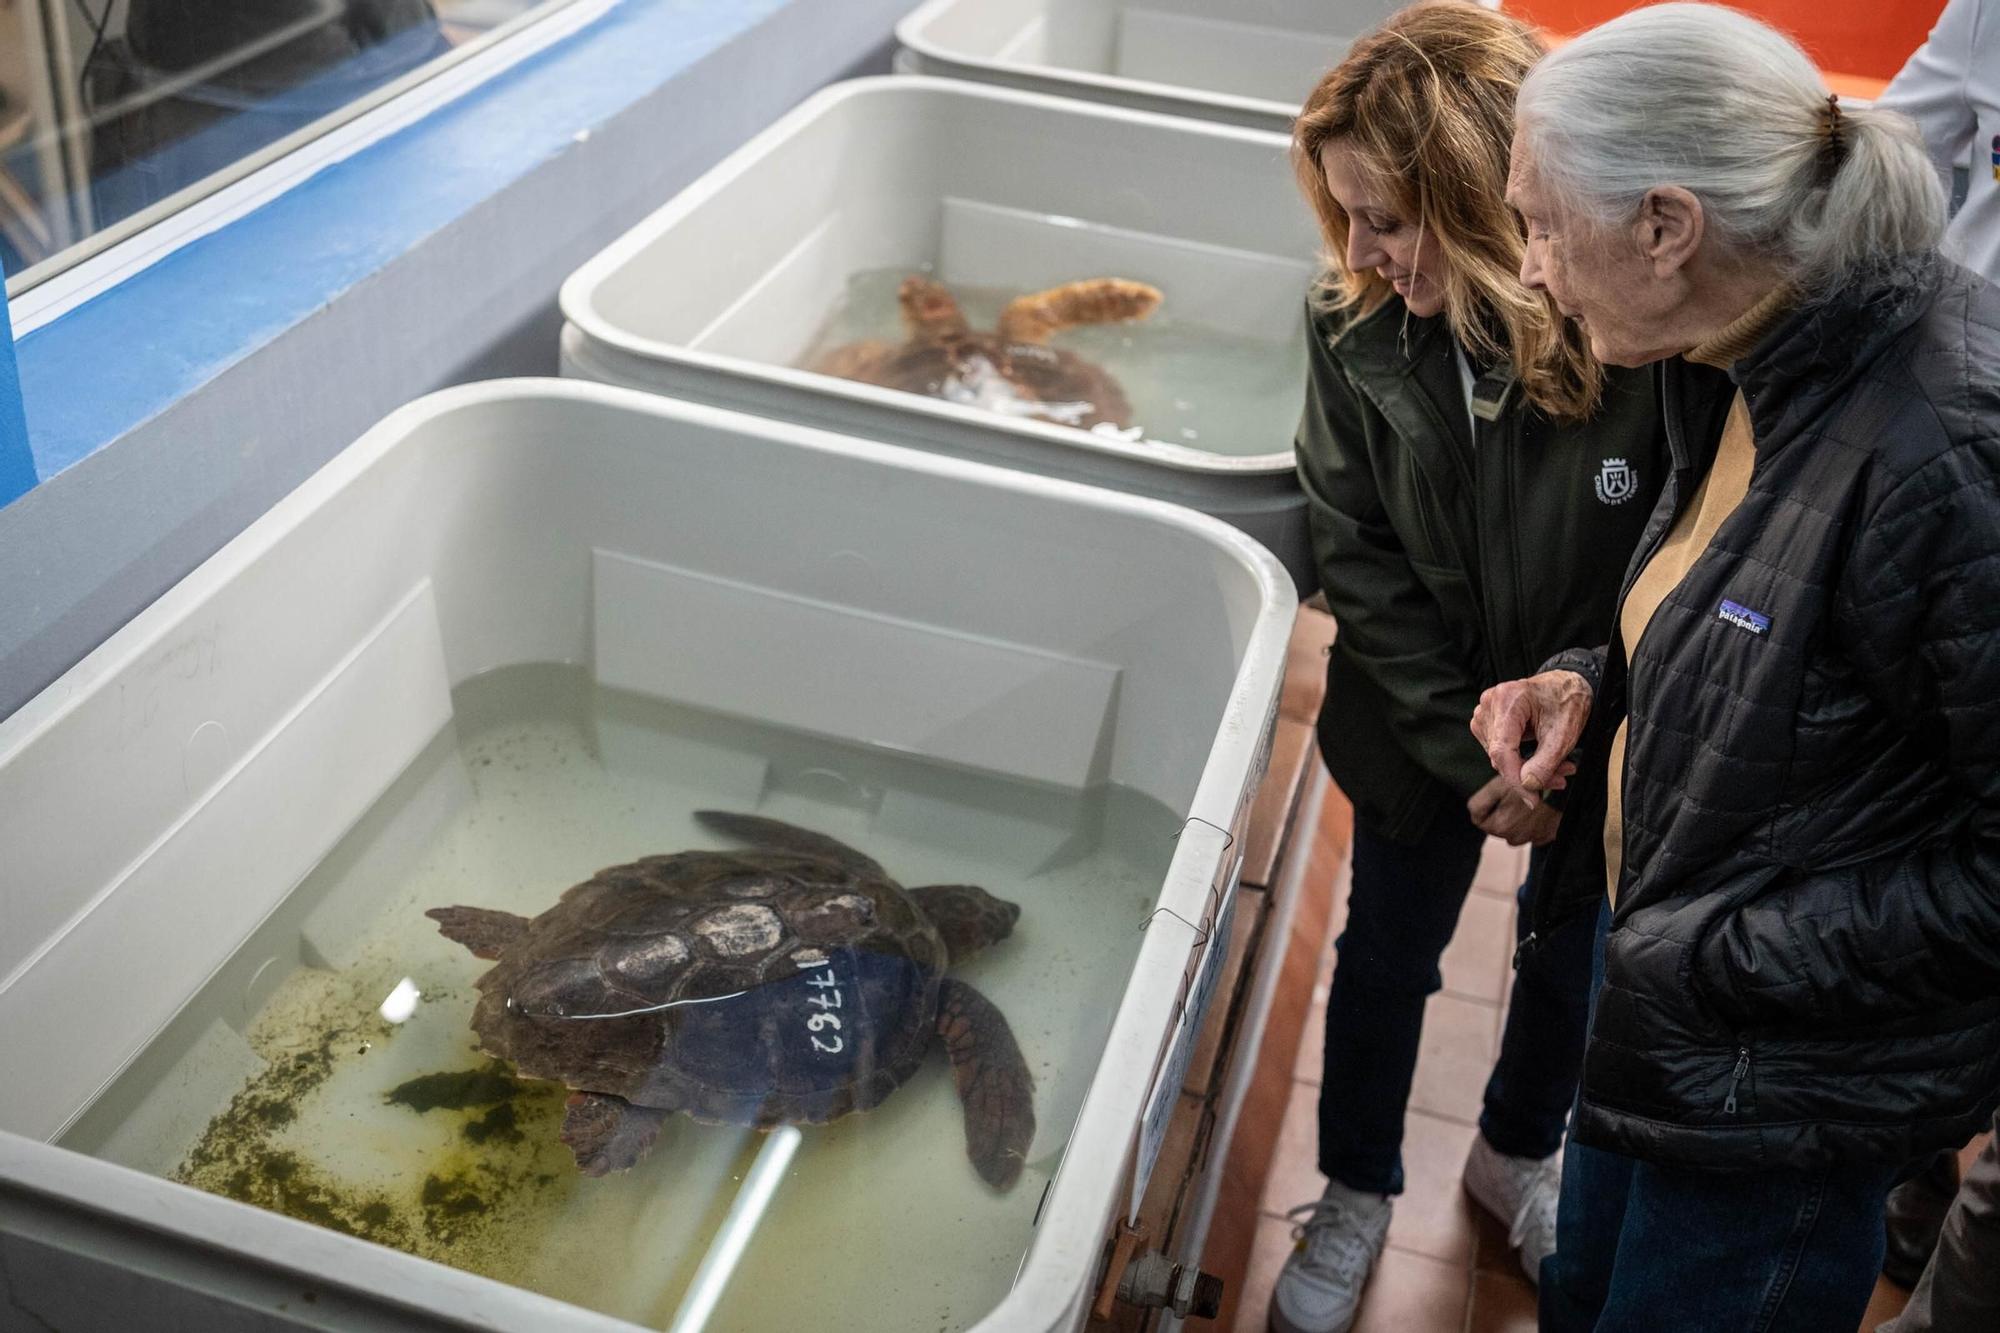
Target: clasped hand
(1549,709)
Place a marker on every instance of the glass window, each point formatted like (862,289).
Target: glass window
(114,113)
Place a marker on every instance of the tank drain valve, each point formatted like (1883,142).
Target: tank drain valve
(1152,1279)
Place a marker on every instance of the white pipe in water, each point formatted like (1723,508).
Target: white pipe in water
(719,1264)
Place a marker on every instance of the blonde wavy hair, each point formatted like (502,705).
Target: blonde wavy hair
(1427,102)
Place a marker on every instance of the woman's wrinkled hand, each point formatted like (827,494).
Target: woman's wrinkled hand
(1550,710)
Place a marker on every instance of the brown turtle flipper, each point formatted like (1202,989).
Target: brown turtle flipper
(993,1082)
(969,918)
(929,311)
(780,836)
(481,929)
(609,1133)
(856,361)
(1033,318)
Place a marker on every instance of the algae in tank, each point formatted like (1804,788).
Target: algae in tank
(501,1158)
(333,1071)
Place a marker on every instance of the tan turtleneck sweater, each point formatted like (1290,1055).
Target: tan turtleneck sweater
(1724,487)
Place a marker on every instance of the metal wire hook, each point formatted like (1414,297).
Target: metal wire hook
(1200,932)
(1229,839)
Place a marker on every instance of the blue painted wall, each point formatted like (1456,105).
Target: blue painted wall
(17,465)
(227,294)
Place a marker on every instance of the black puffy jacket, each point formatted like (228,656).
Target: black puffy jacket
(1804,963)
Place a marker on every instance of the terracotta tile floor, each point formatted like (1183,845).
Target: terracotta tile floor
(1447,1268)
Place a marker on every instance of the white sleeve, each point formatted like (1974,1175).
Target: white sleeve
(1932,87)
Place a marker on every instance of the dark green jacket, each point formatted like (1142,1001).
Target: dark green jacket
(1451,562)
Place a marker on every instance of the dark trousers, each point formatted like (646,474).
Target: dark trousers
(1401,912)
(1645,1248)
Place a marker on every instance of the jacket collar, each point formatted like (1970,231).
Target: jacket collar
(1388,340)
(1829,338)
(1407,367)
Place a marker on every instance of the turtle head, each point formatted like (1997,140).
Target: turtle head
(969,918)
(929,311)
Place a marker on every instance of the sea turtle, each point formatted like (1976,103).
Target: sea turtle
(1011,370)
(788,984)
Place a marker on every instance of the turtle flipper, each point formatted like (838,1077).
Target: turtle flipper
(969,918)
(609,1133)
(1037,316)
(780,836)
(481,929)
(929,311)
(862,360)
(993,1082)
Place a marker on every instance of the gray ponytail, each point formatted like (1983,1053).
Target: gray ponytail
(1713,101)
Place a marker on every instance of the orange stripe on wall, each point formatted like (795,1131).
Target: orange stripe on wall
(1861,43)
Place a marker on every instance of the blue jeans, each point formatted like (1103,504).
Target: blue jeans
(1657,1248)
(1401,913)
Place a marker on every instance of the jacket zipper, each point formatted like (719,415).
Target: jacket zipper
(1683,476)
(1469,477)
(1678,451)
(1742,1068)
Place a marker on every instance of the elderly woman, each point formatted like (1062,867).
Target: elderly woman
(1794,732)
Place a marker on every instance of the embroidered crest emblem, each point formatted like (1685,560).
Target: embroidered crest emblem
(1616,482)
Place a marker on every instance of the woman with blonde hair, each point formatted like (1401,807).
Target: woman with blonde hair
(1476,482)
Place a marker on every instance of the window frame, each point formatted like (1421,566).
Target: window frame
(43,290)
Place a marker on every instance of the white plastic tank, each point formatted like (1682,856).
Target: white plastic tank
(1240,62)
(746,288)
(520,632)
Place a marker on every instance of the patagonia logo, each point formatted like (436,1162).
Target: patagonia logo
(1743,617)
(1616,482)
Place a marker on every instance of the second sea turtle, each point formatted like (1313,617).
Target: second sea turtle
(1011,369)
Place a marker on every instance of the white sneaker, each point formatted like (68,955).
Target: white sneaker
(1521,1192)
(1340,1236)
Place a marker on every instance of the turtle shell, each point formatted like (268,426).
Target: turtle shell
(1008,378)
(754,988)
